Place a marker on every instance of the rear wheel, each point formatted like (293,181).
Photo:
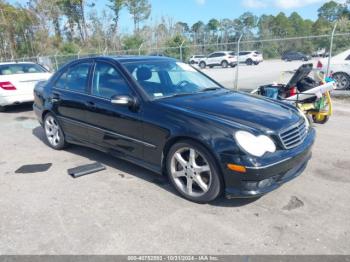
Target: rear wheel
(342,80)
(249,61)
(53,132)
(193,172)
(202,65)
(224,64)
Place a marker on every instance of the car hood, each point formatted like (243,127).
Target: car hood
(236,107)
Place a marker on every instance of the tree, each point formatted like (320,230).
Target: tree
(116,6)
(140,10)
(331,11)
(197,28)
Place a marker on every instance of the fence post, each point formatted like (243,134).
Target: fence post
(79,53)
(105,51)
(181,50)
(237,66)
(330,49)
(140,48)
(55,57)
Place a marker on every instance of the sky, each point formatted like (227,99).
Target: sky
(190,11)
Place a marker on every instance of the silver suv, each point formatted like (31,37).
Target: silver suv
(221,58)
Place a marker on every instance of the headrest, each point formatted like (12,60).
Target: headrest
(143,74)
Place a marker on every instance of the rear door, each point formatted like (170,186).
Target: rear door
(69,98)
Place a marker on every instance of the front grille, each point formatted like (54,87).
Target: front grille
(294,135)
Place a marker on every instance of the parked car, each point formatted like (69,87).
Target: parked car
(222,58)
(17,81)
(250,57)
(195,59)
(292,56)
(171,118)
(339,68)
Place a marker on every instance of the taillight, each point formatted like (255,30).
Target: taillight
(319,65)
(7,86)
(293,91)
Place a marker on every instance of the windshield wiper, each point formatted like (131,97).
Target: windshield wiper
(210,89)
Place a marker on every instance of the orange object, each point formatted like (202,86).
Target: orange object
(237,168)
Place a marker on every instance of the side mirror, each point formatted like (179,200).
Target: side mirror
(123,100)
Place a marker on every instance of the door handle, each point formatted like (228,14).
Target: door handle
(90,105)
(55,97)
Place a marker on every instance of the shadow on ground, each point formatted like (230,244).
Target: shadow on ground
(135,170)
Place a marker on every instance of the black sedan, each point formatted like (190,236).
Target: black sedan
(170,118)
(295,56)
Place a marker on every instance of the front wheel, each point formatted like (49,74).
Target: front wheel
(342,80)
(224,64)
(53,132)
(193,172)
(249,61)
(202,65)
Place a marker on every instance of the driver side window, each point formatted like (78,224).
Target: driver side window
(107,81)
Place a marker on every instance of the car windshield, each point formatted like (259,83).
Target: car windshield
(162,79)
(12,69)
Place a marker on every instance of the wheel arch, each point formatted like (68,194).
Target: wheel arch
(181,138)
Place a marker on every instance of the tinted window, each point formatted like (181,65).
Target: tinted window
(74,78)
(12,69)
(213,55)
(107,81)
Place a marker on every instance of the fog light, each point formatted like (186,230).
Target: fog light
(250,185)
(265,183)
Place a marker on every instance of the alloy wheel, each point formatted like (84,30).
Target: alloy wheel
(52,131)
(343,81)
(191,172)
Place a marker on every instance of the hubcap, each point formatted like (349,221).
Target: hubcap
(52,131)
(342,81)
(191,172)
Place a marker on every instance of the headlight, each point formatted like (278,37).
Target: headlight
(307,122)
(255,145)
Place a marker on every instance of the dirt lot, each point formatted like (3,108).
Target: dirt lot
(129,210)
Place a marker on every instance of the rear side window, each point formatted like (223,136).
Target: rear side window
(348,57)
(13,69)
(75,78)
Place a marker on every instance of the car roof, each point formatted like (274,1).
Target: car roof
(128,59)
(15,63)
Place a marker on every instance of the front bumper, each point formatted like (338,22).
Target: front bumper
(259,180)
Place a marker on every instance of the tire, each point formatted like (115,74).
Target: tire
(202,65)
(249,61)
(202,172)
(224,64)
(54,135)
(192,62)
(320,120)
(343,81)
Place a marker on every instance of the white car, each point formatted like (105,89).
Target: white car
(221,58)
(17,81)
(195,59)
(250,57)
(339,69)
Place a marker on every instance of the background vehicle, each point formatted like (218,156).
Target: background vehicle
(339,69)
(195,59)
(293,56)
(222,58)
(250,57)
(17,81)
(167,116)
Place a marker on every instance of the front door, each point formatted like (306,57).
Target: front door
(115,127)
